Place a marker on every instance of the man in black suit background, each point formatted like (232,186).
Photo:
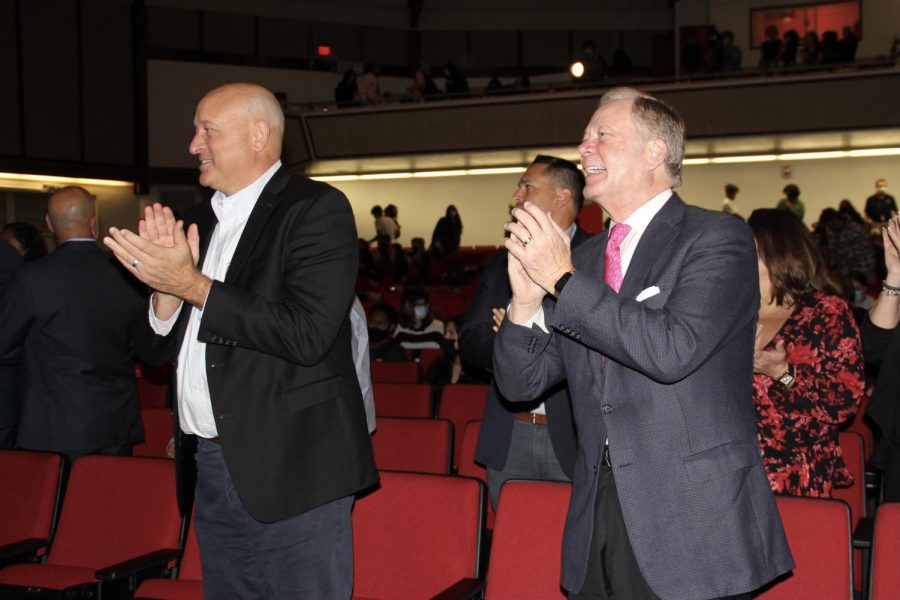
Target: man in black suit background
(73,312)
(265,375)
(536,440)
(10,261)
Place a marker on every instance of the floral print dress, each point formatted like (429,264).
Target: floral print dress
(798,426)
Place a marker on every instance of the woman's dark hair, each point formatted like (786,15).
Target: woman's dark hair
(786,247)
(30,238)
(847,209)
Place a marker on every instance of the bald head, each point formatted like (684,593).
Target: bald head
(71,214)
(238,133)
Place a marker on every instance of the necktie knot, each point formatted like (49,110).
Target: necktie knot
(612,267)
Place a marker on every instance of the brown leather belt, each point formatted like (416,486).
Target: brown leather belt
(530,417)
(215,440)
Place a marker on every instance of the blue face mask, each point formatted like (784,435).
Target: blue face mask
(421,312)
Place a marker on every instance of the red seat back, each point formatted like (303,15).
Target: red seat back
(461,403)
(402,400)
(855,496)
(818,533)
(394,372)
(188,586)
(416,535)
(159,427)
(116,508)
(467,465)
(428,356)
(31,484)
(885,574)
(408,444)
(526,553)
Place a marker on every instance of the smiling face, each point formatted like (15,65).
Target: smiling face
(238,131)
(619,164)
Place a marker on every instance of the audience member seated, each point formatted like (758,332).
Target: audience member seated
(382,345)
(74,312)
(418,329)
(808,370)
(418,258)
(881,346)
(845,243)
(449,368)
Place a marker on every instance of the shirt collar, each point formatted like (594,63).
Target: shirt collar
(640,219)
(571,230)
(238,206)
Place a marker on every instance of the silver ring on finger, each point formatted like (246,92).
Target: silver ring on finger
(135,263)
(526,242)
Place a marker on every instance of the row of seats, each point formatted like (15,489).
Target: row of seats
(416,536)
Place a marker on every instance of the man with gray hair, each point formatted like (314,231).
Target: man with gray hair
(652,325)
(74,311)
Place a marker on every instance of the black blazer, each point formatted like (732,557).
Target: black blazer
(282,382)
(10,260)
(476,344)
(74,312)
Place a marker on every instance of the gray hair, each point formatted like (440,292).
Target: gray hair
(654,119)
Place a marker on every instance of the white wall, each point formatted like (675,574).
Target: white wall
(483,200)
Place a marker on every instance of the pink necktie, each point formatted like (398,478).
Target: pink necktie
(612,268)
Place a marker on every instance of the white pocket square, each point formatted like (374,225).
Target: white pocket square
(648,293)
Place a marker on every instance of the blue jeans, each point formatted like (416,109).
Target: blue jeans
(306,556)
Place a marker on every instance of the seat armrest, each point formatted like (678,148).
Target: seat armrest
(862,535)
(464,589)
(133,566)
(21,550)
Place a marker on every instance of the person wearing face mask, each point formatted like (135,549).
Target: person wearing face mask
(880,206)
(449,368)
(418,329)
(382,345)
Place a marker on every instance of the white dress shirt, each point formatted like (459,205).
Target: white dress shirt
(194,405)
(638,221)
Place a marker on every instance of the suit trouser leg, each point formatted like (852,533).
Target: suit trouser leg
(308,556)
(613,572)
(530,456)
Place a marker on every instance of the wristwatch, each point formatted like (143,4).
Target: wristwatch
(561,283)
(788,379)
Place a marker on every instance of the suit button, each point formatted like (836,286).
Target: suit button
(607,408)
(595,469)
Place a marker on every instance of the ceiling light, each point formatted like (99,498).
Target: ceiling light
(56,181)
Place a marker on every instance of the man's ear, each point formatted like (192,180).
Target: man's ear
(561,197)
(49,224)
(261,132)
(655,153)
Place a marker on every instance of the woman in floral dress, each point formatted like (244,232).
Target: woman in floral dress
(808,367)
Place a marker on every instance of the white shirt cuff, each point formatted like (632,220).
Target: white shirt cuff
(159,326)
(536,319)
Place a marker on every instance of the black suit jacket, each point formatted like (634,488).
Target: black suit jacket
(476,343)
(10,260)
(282,382)
(74,310)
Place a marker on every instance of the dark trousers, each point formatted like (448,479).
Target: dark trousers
(530,456)
(309,556)
(612,572)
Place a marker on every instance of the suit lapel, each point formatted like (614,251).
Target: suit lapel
(653,245)
(259,216)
